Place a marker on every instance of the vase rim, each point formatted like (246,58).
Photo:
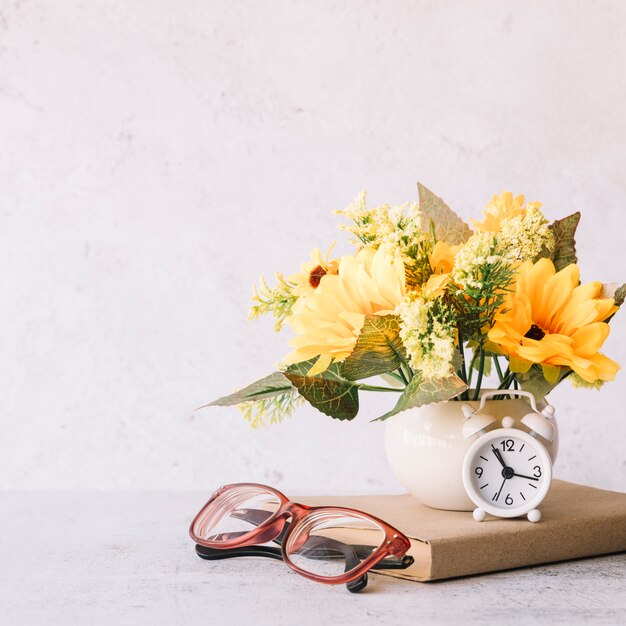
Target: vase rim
(505,392)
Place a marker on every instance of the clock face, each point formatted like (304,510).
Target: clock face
(507,472)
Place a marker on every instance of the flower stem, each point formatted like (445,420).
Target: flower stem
(407,372)
(481,367)
(497,364)
(398,375)
(509,377)
(465,394)
(377,388)
(462,350)
(471,369)
(402,376)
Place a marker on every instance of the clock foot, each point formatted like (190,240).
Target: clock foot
(479,515)
(534,515)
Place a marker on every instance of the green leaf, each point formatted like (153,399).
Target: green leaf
(552,373)
(475,363)
(448,225)
(271,385)
(328,392)
(564,230)
(535,382)
(419,392)
(519,365)
(333,372)
(378,349)
(615,291)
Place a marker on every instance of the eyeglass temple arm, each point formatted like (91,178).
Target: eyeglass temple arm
(216,554)
(353,586)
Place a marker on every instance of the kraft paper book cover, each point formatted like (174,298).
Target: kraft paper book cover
(578,521)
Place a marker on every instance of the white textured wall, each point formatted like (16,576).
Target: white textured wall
(155,157)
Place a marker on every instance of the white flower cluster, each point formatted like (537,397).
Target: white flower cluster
(523,237)
(481,249)
(427,335)
(520,238)
(394,228)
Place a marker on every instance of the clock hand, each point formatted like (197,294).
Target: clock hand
(528,477)
(498,456)
(500,490)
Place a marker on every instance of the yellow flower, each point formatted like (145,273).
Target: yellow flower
(441,261)
(310,276)
(430,275)
(551,320)
(328,320)
(435,286)
(442,257)
(501,208)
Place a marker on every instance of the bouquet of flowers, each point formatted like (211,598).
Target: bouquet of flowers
(432,305)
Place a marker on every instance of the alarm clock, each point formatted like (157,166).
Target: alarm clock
(507,472)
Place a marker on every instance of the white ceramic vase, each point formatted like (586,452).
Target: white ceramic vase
(425,448)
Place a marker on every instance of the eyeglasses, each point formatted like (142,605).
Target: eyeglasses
(331,545)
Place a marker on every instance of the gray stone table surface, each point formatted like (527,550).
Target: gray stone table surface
(125,558)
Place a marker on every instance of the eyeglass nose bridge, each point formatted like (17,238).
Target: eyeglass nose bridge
(272,530)
(291,515)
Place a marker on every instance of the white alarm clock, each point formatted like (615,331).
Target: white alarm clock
(507,472)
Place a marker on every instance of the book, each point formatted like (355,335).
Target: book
(577,521)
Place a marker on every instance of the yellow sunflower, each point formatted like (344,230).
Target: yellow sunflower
(311,272)
(550,319)
(328,320)
(503,207)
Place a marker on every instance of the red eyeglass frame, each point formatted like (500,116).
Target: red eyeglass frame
(395,543)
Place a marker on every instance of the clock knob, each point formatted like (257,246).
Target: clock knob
(467,410)
(540,424)
(508,422)
(474,423)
